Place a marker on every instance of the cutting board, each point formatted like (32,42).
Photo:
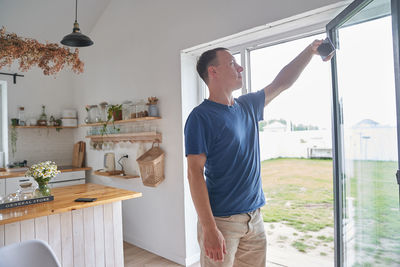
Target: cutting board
(78,155)
(81,157)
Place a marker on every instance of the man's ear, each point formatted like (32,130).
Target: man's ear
(212,71)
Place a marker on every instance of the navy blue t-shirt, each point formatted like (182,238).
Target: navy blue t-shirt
(228,136)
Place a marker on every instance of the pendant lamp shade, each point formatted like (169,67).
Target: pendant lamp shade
(76,38)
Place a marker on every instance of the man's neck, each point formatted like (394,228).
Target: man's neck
(221,97)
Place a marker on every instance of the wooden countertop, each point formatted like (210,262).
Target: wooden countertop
(19,174)
(64,201)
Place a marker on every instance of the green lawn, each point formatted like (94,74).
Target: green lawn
(299,192)
(373,189)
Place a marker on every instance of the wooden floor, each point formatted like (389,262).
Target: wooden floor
(137,257)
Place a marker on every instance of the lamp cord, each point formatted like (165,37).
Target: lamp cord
(76,10)
(122,166)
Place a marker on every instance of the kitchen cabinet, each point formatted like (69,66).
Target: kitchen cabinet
(67,183)
(62,179)
(79,233)
(68,178)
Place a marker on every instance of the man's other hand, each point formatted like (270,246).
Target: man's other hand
(214,244)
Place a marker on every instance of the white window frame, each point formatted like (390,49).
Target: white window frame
(299,26)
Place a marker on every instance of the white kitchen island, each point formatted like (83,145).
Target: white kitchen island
(81,234)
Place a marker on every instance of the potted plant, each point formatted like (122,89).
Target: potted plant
(114,112)
(14,122)
(13,139)
(42,173)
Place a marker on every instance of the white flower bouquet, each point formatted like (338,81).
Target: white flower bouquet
(42,173)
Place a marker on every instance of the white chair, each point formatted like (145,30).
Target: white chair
(32,253)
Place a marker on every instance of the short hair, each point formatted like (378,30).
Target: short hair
(208,58)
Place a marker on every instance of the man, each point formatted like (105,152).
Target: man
(221,141)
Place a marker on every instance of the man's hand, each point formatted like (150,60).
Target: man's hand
(214,244)
(314,46)
(213,240)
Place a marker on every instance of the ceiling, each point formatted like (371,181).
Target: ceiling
(49,20)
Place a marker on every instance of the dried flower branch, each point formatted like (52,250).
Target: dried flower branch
(152,100)
(50,57)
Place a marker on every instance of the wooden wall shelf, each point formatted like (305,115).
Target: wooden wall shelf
(127,177)
(130,137)
(46,127)
(121,121)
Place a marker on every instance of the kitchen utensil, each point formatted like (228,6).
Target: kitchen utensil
(81,157)
(78,154)
(109,161)
(75,155)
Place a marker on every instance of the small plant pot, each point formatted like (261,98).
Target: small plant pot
(14,122)
(153,111)
(117,115)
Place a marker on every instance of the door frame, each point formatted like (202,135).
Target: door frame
(337,116)
(4,120)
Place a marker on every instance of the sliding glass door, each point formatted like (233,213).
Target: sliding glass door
(366,134)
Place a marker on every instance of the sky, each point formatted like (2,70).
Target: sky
(308,100)
(365,77)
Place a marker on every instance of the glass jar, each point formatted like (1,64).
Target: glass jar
(26,191)
(13,197)
(93,114)
(43,116)
(103,111)
(141,108)
(43,190)
(134,109)
(126,110)
(42,121)
(21,116)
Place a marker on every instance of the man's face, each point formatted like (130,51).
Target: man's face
(228,72)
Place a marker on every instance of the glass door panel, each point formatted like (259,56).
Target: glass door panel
(365,90)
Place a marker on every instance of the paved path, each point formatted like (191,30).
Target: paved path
(280,252)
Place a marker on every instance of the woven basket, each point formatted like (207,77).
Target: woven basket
(151,165)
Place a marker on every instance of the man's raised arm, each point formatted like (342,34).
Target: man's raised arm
(289,74)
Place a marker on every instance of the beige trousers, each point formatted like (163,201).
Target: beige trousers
(245,239)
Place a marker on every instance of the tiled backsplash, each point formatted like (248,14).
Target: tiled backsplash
(35,145)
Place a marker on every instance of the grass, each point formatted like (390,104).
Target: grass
(374,204)
(298,192)
(300,246)
(326,239)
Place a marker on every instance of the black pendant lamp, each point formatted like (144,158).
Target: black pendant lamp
(76,38)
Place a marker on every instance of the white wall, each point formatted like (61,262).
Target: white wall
(31,92)
(136,55)
(292,144)
(371,143)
